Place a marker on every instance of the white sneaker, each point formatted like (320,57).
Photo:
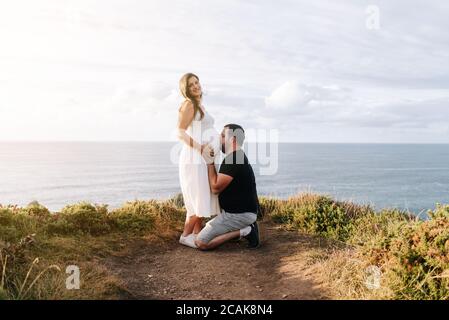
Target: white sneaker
(182,239)
(191,240)
(188,241)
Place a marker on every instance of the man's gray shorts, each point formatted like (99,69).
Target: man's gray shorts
(225,222)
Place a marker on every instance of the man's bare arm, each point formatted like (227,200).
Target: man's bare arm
(217,182)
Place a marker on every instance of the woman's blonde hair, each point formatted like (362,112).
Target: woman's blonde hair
(184,87)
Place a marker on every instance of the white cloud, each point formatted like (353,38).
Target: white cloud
(109,69)
(145,96)
(293,94)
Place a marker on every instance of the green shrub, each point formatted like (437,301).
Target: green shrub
(16,224)
(168,213)
(79,219)
(35,209)
(316,214)
(413,254)
(374,227)
(6,216)
(269,206)
(134,216)
(140,216)
(441,211)
(416,258)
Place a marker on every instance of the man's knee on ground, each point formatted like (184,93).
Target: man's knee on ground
(201,245)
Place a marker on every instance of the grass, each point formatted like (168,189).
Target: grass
(412,255)
(36,246)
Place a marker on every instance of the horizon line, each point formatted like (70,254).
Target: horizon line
(175,141)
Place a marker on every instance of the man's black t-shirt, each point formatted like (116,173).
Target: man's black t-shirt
(241,194)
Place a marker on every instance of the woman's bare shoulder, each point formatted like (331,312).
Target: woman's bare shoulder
(186,106)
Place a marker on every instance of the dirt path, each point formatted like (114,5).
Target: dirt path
(277,270)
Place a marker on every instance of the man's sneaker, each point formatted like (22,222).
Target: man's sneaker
(253,237)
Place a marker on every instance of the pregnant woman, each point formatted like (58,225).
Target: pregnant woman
(196,131)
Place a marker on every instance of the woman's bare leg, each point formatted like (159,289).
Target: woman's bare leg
(198,225)
(190,225)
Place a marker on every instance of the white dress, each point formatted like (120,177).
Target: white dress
(193,175)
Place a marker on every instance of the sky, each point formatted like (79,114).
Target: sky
(313,71)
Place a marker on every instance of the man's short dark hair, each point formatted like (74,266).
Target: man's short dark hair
(237,132)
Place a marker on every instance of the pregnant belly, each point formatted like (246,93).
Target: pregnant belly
(212,137)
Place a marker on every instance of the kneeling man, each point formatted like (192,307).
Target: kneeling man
(235,185)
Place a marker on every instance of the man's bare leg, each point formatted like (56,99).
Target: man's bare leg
(215,242)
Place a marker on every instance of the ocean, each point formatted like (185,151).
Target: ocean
(412,177)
